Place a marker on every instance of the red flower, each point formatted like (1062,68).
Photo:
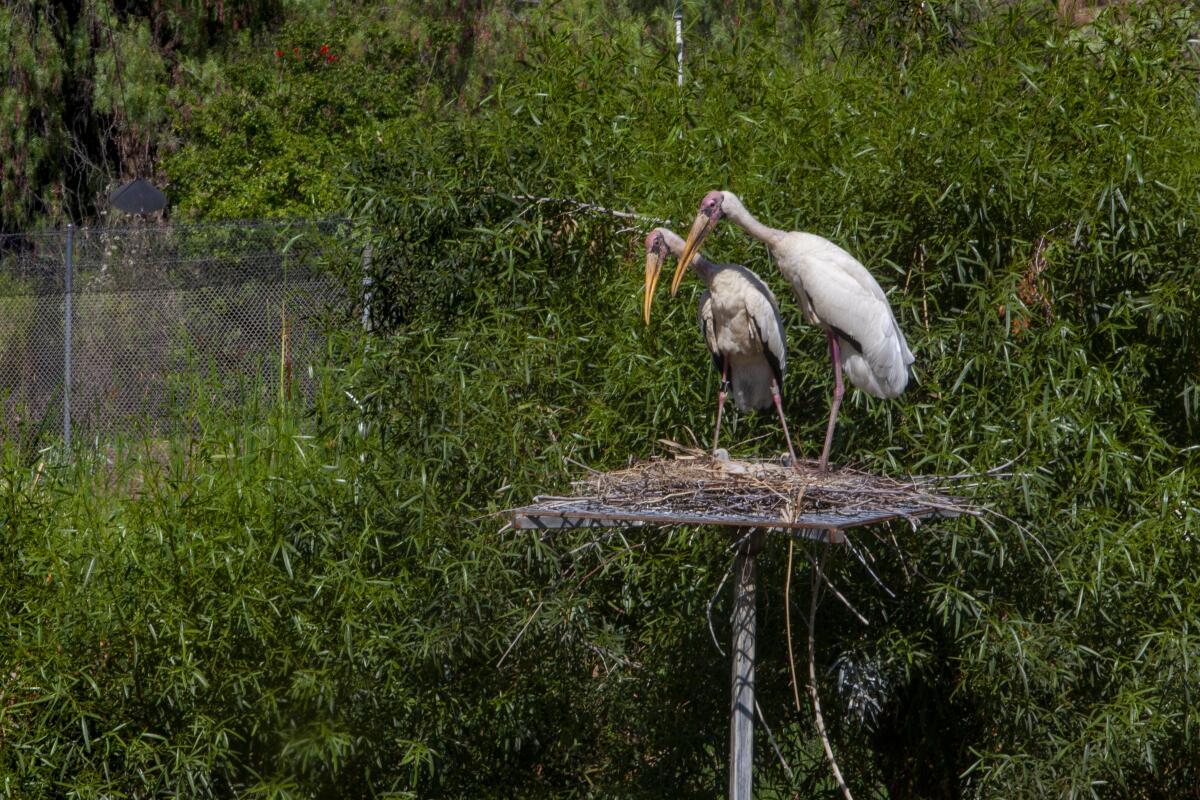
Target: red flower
(331,58)
(324,49)
(279,54)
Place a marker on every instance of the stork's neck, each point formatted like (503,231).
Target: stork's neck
(704,268)
(700,265)
(733,210)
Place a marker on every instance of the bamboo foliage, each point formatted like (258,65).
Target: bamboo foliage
(322,606)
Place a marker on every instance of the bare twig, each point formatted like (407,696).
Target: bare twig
(708,612)
(570,460)
(787,624)
(1025,532)
(737,543)
(812,685)
(900,556)
(591,208)
(521,633)
(863,561)
(604,564)
(771,737)
(605,653)
(849,606)
(593,543)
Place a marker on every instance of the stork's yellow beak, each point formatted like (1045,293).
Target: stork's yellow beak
(701,227)
(654,260)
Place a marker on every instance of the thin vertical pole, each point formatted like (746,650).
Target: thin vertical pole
(366,284)
(70,269)
(1192,45)
(679,41)
(741,712)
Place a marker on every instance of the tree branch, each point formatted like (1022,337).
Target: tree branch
(591,208)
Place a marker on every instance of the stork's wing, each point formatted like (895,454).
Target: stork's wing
(846,298)
(705,314)
(764,311)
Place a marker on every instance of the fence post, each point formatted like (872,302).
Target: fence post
(679,40)
(70,268)
(366,284)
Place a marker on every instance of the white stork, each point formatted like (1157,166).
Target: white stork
(740,320)
(835,293)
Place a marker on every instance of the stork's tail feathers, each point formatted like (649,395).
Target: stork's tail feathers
(881,380)
(884,370)
(752,385)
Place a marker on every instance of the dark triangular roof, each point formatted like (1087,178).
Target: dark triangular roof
(138,197)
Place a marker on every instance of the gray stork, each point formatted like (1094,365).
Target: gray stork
(835,292)
(740,320)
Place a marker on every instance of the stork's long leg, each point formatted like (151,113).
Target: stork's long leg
(721,400)
(786,435)
(838,391)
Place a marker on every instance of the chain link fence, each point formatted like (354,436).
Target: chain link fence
(109,329)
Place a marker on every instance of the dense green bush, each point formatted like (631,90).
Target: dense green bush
(1025,194)
(88,92)
(324,607)
(271,134)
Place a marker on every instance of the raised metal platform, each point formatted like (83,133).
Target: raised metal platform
(825,526)
(695,488)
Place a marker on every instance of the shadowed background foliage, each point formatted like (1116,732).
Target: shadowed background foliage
(317,603)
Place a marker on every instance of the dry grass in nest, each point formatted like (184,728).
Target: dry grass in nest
(692,482)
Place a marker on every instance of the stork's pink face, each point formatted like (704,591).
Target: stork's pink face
(655,241)
(710,206)
(710,214)
(656,251)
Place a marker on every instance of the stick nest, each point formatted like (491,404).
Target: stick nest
(690,481)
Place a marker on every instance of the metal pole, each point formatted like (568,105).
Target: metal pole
(679,40)
(1192,46)
(70,269)
(366,284)
(741,711)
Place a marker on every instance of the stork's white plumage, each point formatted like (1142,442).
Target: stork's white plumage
(740,320)
(835,292)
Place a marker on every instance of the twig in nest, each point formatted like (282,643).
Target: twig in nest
(812,685)
(691,481)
